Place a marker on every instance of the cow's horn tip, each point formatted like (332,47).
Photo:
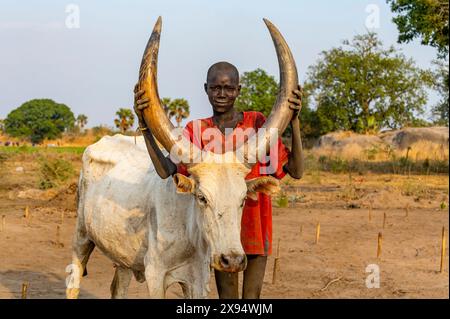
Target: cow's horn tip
(158,24)
(267,22)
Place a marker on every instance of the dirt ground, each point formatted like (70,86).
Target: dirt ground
(416,209)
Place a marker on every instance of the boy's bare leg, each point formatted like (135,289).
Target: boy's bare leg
(254,276)
(227,284)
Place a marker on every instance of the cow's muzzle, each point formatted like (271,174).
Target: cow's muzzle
(232,262)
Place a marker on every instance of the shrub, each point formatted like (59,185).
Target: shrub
(54,172)
(282,200)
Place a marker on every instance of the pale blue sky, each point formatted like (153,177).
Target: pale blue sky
(93,68)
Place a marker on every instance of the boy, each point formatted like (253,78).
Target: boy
(222,87)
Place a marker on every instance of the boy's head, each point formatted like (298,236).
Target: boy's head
(222,86)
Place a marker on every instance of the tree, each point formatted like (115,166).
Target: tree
(2,125)
(124,120)
(441,84)
(39,119)
(178,108)
(364,87)
(258,92)
(81,121)
(165,104)
(425,19)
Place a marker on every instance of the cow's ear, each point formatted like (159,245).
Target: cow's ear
(183,183)
(264,184)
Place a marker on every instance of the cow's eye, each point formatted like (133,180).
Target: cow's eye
(202,198)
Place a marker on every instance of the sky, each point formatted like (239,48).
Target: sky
(86,53)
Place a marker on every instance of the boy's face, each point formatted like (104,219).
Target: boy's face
(222,88)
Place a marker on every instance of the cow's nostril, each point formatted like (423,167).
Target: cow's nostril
(224,260)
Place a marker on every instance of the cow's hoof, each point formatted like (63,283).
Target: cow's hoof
(72,293)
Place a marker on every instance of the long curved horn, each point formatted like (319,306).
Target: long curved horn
(154,115)
(281,114)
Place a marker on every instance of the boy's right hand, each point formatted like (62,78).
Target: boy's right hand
(140,104)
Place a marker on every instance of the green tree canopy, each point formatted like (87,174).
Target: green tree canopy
(39,119)
(258,93)
(425,19)
(363,87)
(124,120)
(441,84)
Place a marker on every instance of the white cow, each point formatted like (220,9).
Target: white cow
(154,228)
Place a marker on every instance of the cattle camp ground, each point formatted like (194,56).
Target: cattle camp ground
(368,220)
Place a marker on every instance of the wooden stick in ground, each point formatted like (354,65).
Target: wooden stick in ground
(380,244)
(370,212)
(384,220)
(407,210)
(3,222)
(26,213)
(278,248)
(442,250)
(24,290)
(276,264)
(58,231)
(301,230)
(317,233)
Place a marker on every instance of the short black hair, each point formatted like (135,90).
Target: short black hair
(223,67)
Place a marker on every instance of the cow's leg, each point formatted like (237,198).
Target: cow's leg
(82,249)
(155,277)
(121,282)
(193,277)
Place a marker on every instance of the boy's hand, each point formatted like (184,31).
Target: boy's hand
(296,101)
(140,104)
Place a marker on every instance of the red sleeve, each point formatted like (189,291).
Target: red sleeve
(283,157)
(259,120)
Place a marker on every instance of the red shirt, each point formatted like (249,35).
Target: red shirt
(256,224)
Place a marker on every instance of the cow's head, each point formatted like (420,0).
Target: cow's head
(220,192)
(220,187)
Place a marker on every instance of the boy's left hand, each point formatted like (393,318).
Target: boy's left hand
(296,101)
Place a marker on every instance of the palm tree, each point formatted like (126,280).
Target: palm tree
(165,104)
(180,109)
(81,121)
(125,119)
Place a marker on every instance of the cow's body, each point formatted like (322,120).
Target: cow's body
(138,220)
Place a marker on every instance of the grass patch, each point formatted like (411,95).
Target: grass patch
(38,149)
(402,165)
(282,200)
(54,172)
(412,188)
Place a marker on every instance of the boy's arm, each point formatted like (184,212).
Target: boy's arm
(163,165)
(295,165)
